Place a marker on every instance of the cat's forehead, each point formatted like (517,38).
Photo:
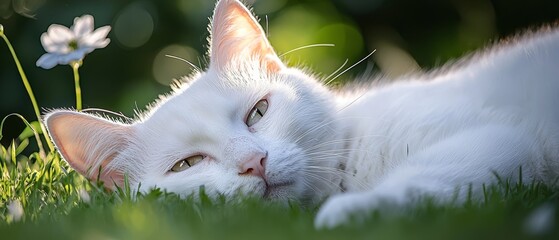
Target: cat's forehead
(223,91)
(210,102)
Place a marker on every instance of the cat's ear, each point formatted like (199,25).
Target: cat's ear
(236,36)
(89,143)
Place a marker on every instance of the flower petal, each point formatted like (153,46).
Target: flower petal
(47,61)
(82,25)
(73,56)
(59,34)
(97,39)
(53,47)
(100,44)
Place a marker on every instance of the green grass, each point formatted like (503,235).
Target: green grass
(53,209)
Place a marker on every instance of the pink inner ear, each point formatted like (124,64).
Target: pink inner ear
(237,36)
(88,143)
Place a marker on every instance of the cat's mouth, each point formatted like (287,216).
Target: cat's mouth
(278,190)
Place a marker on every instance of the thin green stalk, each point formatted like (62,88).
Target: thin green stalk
(37,138)
(29,90)
(75,67)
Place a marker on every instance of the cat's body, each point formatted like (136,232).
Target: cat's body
(251,125)
(448,133)
(497,89)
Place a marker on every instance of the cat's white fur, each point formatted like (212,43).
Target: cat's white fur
(443,134)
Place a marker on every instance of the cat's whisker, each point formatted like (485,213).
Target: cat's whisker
(331,151)
(319,126)
(308,46)
(349,140)
(326,169)
(341,154)
(350,67)
(329,158)
(318,174)
(337,70)
(309,185)
(319,177)
(325,123)
(352,101)
(332,142)
(184,60)
(267,28)
(342,173)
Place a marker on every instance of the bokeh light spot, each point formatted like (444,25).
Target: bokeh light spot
(287,33)
(348,40)
(133,26)
(166,69)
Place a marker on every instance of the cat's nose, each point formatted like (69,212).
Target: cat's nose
(254,165)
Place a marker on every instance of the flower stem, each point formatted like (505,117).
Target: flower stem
(29,91)
(75,67)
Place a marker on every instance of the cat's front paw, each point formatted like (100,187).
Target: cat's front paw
(339,210)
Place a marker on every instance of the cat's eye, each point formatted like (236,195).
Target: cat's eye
(257,112)
(186,163)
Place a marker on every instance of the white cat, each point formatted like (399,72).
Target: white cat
(249,124)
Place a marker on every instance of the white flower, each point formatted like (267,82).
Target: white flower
(15,210)
(64,45)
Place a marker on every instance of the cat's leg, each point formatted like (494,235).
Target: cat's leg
(447,172)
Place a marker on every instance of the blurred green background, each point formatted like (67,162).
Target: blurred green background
(132,71)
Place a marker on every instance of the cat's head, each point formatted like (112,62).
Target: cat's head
(248,124)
